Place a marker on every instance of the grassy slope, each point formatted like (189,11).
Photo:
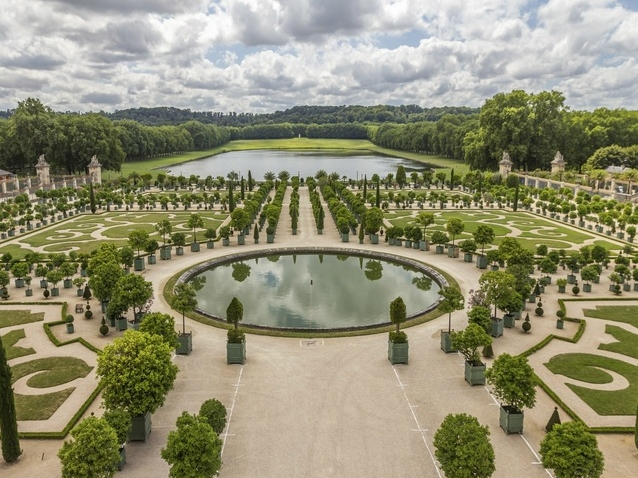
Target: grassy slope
(291,144)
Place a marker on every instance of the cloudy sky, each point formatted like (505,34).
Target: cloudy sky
(266,55)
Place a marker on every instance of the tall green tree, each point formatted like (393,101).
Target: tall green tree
(572,452)
(93,452)
(193,450)
(463,448)
(8,421)
(451,300)
(401,177)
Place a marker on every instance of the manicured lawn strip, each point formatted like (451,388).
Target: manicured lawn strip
(54,371)
(627,342)
(40,407)
(580,366)
(291,144)
(627,314)
(9,342)
(19,317)
(168,295)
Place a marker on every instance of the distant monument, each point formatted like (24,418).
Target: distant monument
(505,165)
(558,164)
(43,171)
(95,170)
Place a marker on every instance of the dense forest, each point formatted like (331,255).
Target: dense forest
(530,127)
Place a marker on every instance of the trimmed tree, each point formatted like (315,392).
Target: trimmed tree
(572,452)
(397,317)
(214,412)
(184,300)
(163,325)
(193,450)
(136,372)
(513,380)
(451,300)
(93,452)
(8,422)
(463,447)
(234,315)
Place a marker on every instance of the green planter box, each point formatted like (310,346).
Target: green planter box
(210,245)
(398,353)
(138,264)
(626,287)
(241,239)
(270,238)
(225,241)
(345,237)
(19,283)
(559,324)
(497,327)
(121,323)
(195,247)
(140,427)
(374,238)
(446,342)
(29,292)
(67,283)
(481,262)
(122,462)
(571,279)
(453,251)
(70,328)
(509,321)
(80,292)
(151,259)
(55,291)
(236,353)
(179,250)
(165,253)
(185,346)
(475,373)
(511,419)
(468,257)
(438,249)
(586,287)
(561,289)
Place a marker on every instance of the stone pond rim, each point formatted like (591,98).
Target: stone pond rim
(233,257)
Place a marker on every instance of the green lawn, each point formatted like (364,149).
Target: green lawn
(18,317)
(587,368)
(9,342)
(627,314)
(148,166)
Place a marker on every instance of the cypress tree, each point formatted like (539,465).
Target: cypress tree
(231,201)
(452,179)
(250,181)
(242,188)
(8,422)
(92,199)
(516,192)
(378,201)
(365,188)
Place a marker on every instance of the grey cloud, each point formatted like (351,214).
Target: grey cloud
(130,6)
(32,62)
(135,37)
(22,82)
(101,98)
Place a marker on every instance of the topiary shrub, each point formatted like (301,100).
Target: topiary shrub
(539,309)
(527,325)
(104,329)
(214,413)
(488,351)
(88,314)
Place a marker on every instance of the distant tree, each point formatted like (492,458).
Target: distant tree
(401,177)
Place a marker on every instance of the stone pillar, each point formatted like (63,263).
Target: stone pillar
(558,164)
(505,165)
(4,187)
(44,171)
(75,183)
(29,181)
(95,170)
(63,182)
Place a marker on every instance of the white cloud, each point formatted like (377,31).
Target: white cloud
(262,55)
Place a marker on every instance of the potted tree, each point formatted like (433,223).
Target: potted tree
(184,300)
(123,372)
(439,238)
(69,324)
(138,240)
(451,300)
(224,232)
(589,274)
(374,222)
(210,234)
(454,227)
(195,221)
(560,313)
(236,343)
(467,342)
(20,270)
(151,247)
(239,219)
(469,248)
(463,448)
(398,345)
(482,236)
(512,306)
(514,384)
(561,283)
(28,291)
(163,325)
(424,219)
(79,283)
(164,228)
(120,422)
(54,276)
(179,239)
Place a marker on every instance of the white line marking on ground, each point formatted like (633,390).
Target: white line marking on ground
(230,414)
(420,429)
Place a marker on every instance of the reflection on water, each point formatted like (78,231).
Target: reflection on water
(315,291)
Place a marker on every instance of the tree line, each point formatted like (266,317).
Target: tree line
(530,127)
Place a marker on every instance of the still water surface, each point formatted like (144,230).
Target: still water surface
(315,291)
(306,163)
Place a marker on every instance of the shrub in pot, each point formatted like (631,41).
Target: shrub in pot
(467,342)
(398,346)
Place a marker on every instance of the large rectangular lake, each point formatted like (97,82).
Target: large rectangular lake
(352,164)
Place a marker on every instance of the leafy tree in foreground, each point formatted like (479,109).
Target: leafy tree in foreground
(463,447)
(572,452)
(214,412)
(93,453)
(8,422)
(136,372)
(193,450)
(163,325)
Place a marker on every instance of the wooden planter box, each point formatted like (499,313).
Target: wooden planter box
(210,245)
(511,419)
(140,427)
(497,327)
(138,264)
(179,250)
(241,239)
(481,262)
(374,238)
(185,346)
(446,342)
(586,287)
(559,324)
(453,251)
(151,259)
(195,247)
(468,257)
(439,249)
(236,353)
(475,374)
(165,253)
(121,323)
(345,237)
(398,353)
(509,321)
